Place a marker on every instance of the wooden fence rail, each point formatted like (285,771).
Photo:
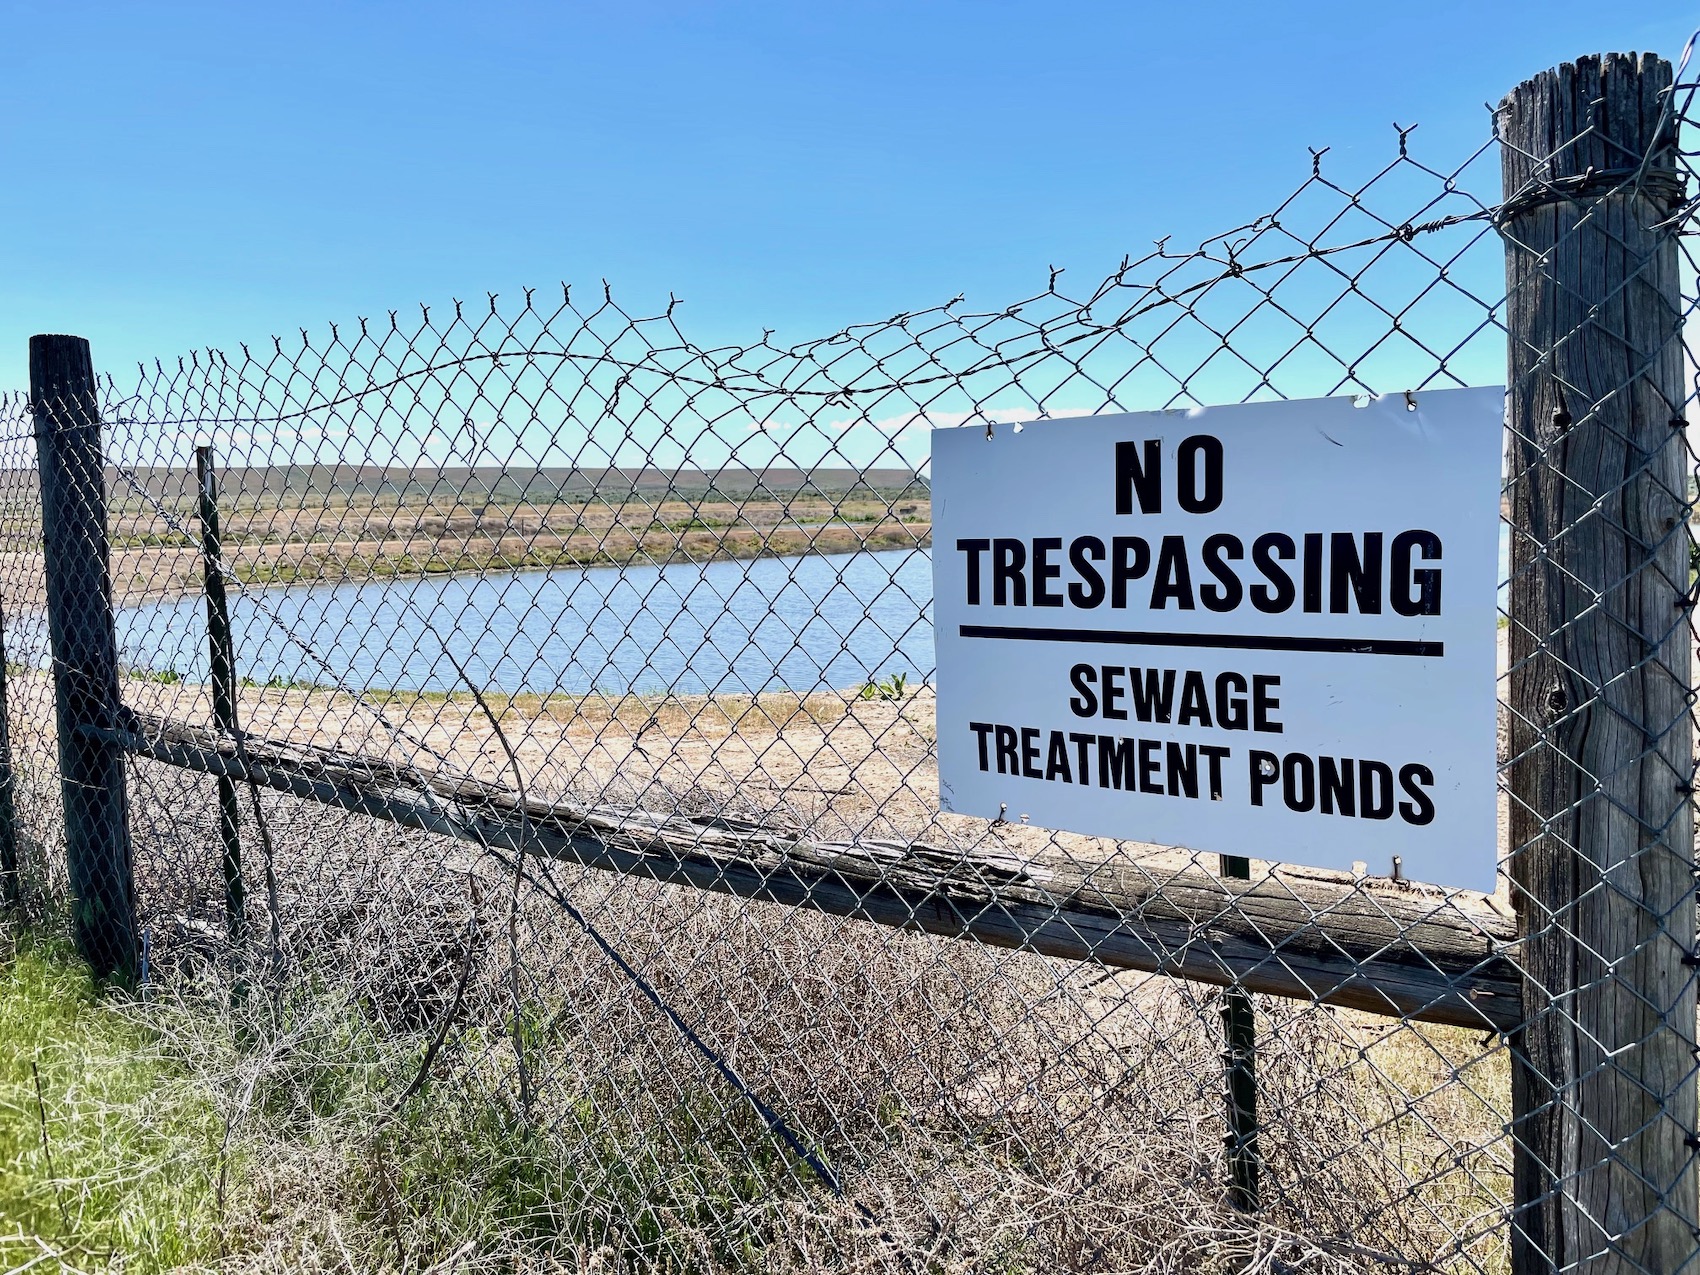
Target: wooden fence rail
(1361,945)
(1594,982)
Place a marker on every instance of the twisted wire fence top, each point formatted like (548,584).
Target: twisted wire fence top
(1168,328)
(633,635)
(485,405)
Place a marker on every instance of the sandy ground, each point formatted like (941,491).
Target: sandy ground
(836,766)
(836,1016)
(148,572)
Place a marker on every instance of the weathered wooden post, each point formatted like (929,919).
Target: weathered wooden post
(1601,770)
(11,883)
(1239,1058)
(85,652)
(222,665)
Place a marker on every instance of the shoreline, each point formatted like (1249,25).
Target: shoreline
(154,573)
(697,549)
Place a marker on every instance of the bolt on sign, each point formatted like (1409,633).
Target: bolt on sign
(1265,630)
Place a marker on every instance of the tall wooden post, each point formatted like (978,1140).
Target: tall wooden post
(1239,1059)
(1601,771)
(11,882)
(222,665)
(85,652)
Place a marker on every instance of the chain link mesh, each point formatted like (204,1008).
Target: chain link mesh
(576,762)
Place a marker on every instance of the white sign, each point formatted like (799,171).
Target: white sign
(1266,630)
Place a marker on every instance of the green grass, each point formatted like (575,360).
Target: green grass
(116,1152)
(279,682)
(385,566)
(605,1168)
(152,540)
(318,1161)
(166,676)
(892,688)
(692,524)
(742,545)
(696,1184)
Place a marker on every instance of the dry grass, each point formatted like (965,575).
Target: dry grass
(344,535)
(350,536)
(981,1110)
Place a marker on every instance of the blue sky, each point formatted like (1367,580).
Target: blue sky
(191,175)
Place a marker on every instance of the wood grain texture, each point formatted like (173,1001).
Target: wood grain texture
(1601,741)
(11,887)
(85,654)
(1391,951)
(221,667)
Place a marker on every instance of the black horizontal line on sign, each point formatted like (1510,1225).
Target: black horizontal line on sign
(1226,641)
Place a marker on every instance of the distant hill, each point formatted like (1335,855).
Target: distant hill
(505,484)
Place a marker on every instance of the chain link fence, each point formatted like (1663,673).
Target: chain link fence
(533,708)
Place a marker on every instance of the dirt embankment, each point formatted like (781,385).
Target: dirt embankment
(836,765)
(157,554)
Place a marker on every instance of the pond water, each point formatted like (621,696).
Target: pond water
(829,621)
(803,624)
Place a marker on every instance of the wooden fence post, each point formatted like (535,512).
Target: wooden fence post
(221,663)
(11,880)
(1239,1061)
(85,652)
(1601,761)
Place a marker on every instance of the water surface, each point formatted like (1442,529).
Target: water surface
(803,624)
